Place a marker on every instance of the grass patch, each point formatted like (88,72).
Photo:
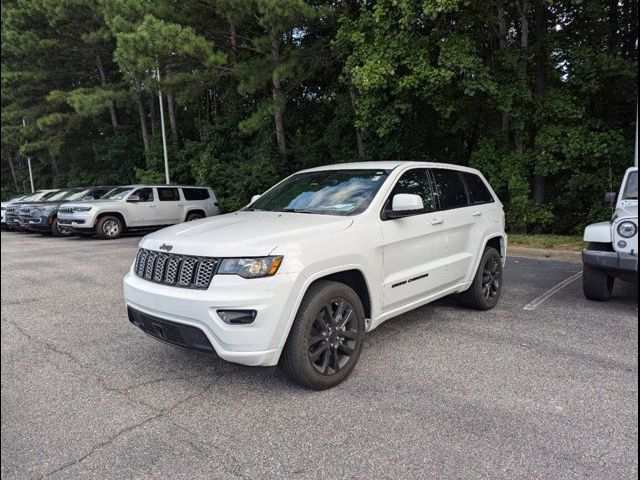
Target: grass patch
(548,242)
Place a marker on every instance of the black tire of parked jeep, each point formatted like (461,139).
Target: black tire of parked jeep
(596,284)
(194,216)
(58,231)
(109,227)
(484,292)
(326,337)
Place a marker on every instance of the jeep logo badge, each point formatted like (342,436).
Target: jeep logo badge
(166,247)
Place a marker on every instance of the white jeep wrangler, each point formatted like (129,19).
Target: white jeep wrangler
(613,246)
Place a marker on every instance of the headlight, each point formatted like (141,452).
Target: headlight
(250,267)
(627,229)
(81,209)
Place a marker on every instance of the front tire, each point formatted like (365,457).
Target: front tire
(58,231)
(326,338)
(109,227)
(596,284)
(484,292)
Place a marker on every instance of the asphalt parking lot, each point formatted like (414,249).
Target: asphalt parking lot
(440,392)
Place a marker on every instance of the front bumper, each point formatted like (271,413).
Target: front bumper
(611,261)
(83,221)
(38,223)
(257,344)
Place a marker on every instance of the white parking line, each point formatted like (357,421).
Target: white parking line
(549,293)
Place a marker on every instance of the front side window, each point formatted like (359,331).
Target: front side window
(118,193)
(479,194)
(168,195)
(631,188)
(61,195)
(78,195)
(451,190)
(327,192)
(415,182)
(145,194)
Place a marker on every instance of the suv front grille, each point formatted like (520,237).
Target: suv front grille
(65,210)
(177,270)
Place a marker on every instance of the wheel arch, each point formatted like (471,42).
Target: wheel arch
(114,214)
(195,210)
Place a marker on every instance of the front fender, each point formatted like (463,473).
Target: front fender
(598,232)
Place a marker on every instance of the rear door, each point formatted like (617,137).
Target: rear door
(170,206)
(414,263)
(142,212)
(460,220)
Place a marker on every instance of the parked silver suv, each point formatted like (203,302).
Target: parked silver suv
(138,207)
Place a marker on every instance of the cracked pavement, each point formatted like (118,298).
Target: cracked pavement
(438,392)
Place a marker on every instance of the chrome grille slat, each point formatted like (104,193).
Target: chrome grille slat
(176,270)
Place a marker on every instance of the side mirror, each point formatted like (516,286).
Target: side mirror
(254,198)
(87,198)
(133,198)
(610,198)
(405,205)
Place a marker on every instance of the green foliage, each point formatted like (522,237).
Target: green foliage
(546,112)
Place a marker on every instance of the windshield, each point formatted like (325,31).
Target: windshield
(40,196)
(117,193)
(329,192)
(631,188)
(77,195)
(60,195)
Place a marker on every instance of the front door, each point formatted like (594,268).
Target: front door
(414,251)
(144,211)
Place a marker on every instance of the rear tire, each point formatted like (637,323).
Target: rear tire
(193,216)
(326,337)
(109,227)
(596,284)
(484,292)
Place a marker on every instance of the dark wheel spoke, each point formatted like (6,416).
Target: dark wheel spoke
(349,334)
(348,351)
(324,365)
(316,339)
(337,316)
(335,360)
(315,354)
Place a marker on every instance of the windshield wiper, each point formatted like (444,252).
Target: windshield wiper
(297,210)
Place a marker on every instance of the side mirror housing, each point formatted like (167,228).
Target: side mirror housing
(254,198)
(133,198)
(610,198)
(405,205)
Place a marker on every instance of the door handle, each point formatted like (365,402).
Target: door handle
(437,221)
(180,205)
(151,206)
(477,214)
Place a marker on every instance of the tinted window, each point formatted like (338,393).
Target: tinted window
(195,193)
(451,191)
(168,194)
(478,191)
(117,193)
(145,194)
(415,182)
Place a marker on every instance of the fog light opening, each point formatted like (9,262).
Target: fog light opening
(622,244)
(237,317)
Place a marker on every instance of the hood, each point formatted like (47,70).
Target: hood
(242,233)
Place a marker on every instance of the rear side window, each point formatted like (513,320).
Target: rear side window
(168,194)
(478,191)
(416,182)
(451,189)
(195,193)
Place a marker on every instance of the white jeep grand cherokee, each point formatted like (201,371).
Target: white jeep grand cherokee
(305,270)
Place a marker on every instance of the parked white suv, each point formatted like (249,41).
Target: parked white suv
(299,275)
(137,207)
(612,251)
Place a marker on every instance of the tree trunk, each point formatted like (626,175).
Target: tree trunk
(103,81)
(152,114)
(54,166)
(524,44)
(143,115)
(233,41)
(359,140)
(278,97)
(540,86)
(173,123)
(502,39)
(13,173)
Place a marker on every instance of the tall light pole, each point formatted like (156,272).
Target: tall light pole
(635,151)
(164,134)
(24,124)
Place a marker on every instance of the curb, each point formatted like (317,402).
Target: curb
(543,254)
